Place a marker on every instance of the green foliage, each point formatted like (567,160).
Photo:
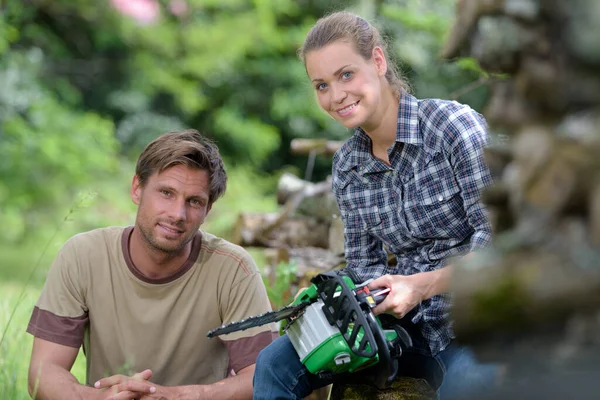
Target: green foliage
(48,149)
(15,349)
(417,29)
(279,290)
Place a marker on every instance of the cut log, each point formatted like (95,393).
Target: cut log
(306,198)
(336,236)
(319,146)
(250,230)
(313,261)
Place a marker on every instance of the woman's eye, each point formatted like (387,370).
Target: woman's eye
(321,86)
(347,75)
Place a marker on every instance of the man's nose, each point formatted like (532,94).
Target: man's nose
(178,210)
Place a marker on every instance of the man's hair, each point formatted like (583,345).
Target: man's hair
(187,148)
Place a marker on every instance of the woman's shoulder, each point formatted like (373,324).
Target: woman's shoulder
(444,122)
(446,111)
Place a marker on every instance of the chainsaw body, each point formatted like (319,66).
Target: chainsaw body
(333,330)
(320,336)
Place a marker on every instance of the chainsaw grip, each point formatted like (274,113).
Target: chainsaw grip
(379,295)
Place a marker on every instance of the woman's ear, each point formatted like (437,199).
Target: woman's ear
(379,60)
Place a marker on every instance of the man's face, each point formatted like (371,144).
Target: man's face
(171,206)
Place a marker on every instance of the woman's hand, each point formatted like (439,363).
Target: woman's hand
(406,292)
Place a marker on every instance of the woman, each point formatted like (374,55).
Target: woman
(408,179)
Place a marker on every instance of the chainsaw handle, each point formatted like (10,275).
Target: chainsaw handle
(380,294)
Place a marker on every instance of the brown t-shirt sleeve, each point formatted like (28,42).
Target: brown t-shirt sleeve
(60,314)
(247,297)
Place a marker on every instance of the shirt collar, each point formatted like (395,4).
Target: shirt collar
(407,129)
(358,149)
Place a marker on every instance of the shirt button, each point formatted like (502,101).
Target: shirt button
(440,198)
(366,226)
(376,209)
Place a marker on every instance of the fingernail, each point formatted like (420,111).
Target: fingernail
(152,389)
(97,384)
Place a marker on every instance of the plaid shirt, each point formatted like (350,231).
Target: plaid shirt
(424,207)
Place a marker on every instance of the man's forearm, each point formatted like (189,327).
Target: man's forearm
(55,383)
(237,387)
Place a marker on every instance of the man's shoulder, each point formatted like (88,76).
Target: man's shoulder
(94,238)
(223,252)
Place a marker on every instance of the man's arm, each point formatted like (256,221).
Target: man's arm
(49,377)
(236,387)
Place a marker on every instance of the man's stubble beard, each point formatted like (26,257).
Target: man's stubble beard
(153,243)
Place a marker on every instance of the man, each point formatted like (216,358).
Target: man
(140,299)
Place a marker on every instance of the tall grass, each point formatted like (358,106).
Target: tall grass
(16,347)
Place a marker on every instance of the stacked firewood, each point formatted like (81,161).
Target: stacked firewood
(534,298)
(306,231)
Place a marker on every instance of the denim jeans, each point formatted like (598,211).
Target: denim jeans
(454,372)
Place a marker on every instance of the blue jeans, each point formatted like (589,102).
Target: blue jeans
(454,372)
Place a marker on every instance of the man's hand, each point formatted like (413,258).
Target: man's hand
(406,293)
(122,387)
(175,392)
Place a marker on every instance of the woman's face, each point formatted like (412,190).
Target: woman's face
(348,87)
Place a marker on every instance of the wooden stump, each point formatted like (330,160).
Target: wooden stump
(403,388)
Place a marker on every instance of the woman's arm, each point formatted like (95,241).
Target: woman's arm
(466,133)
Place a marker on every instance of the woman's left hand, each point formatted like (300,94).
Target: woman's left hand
(405,293)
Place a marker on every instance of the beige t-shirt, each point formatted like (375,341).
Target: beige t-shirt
(95,296)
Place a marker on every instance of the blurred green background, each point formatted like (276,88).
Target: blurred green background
(85,85)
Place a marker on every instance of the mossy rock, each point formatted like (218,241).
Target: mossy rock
(403,388)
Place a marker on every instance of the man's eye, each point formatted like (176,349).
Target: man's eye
(321,86)
(196,203)
(165,192)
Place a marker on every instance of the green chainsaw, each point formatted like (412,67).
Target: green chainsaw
(334,331)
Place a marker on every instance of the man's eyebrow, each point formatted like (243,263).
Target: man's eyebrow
(170,188)
(197,197)
(335,73)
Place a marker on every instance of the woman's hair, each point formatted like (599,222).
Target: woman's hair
(350,27)
(187,148)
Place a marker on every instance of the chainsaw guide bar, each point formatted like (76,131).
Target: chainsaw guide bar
(292,311)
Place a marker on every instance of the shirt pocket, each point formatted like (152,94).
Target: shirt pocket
(434,208)
(361,202)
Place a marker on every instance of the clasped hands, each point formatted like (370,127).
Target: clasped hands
(136,387)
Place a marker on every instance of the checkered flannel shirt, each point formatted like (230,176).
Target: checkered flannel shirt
(424,208)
